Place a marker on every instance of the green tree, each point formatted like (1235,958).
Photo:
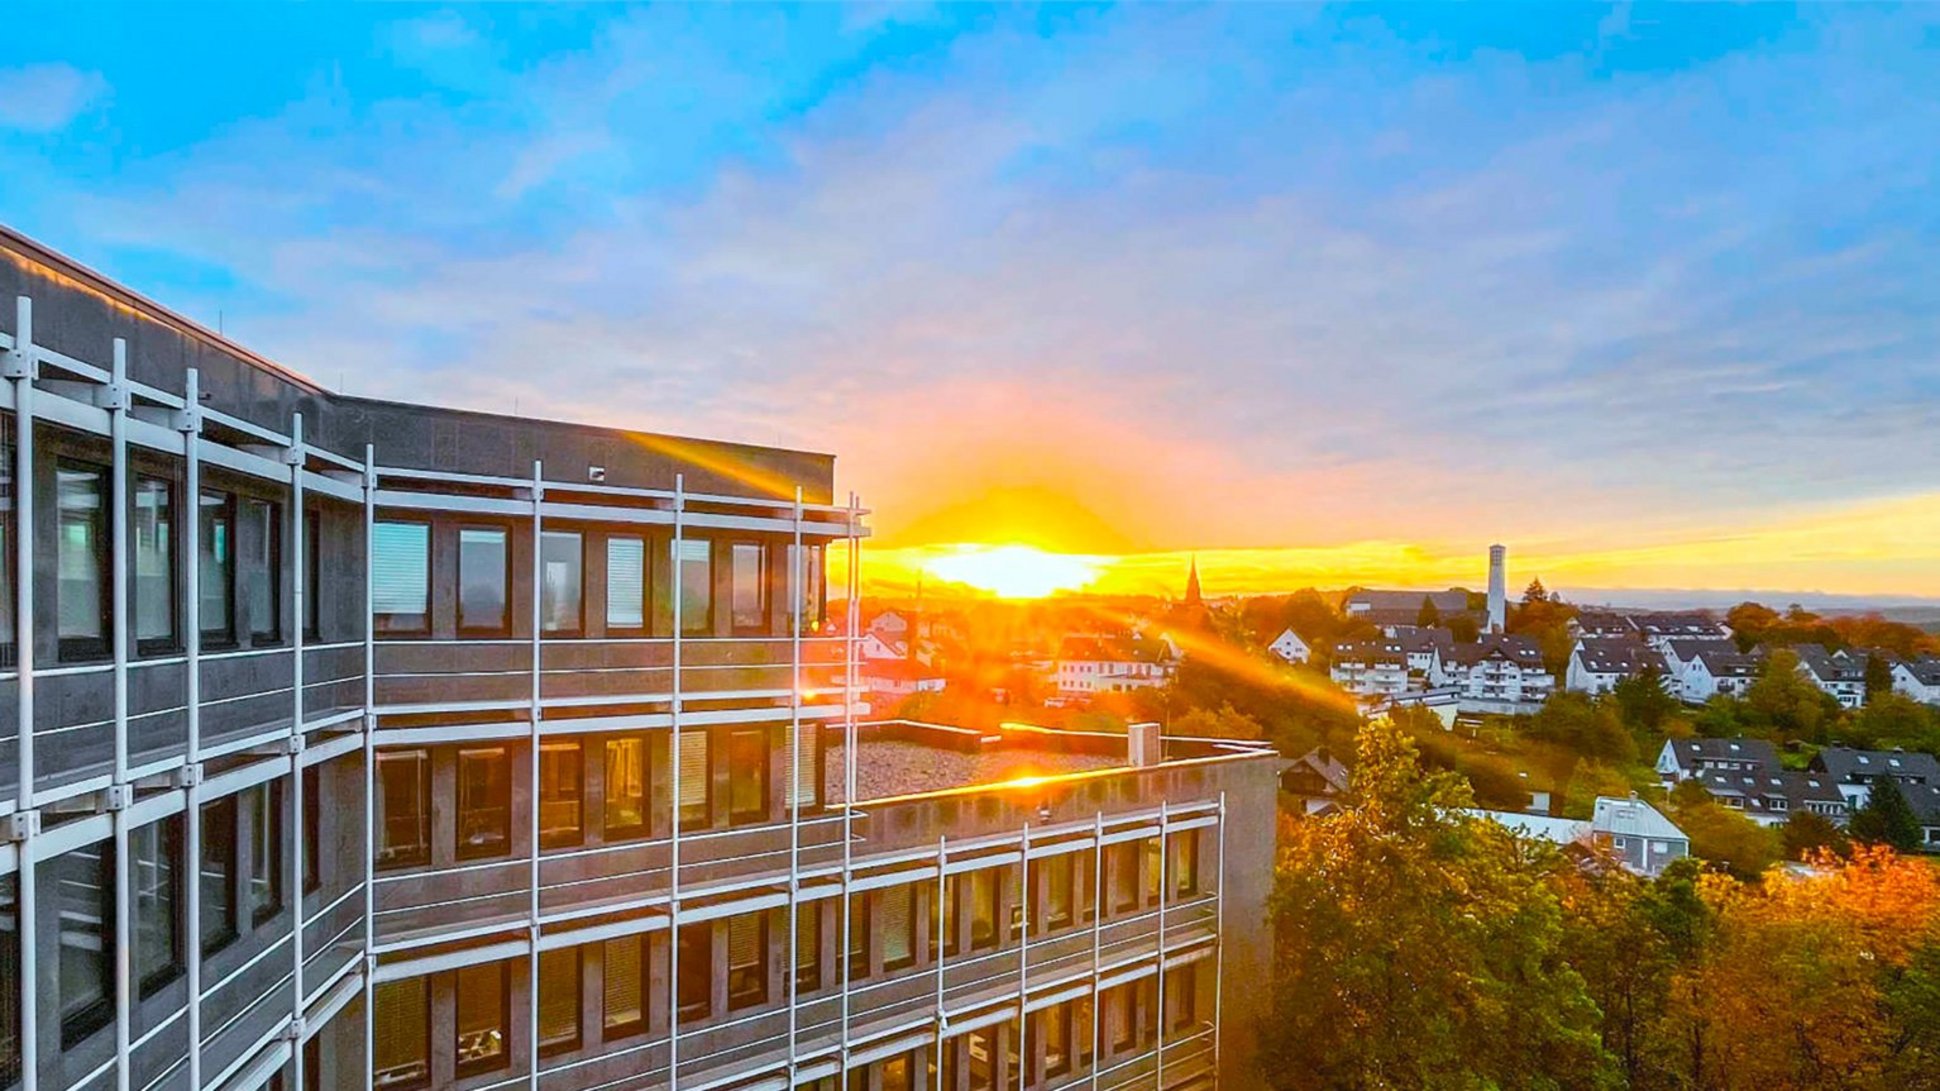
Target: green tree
(1879,676)
(1225,722)
(1645,705)
(1886,818)
(1535,593)
(1464,629)
(1894,719)
(1724,836)
(1805,832)
(1428,617)
(1420,948)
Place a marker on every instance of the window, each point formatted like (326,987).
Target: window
(626,787)
(951,915)
(897,905)
(8,653)
(982,1046)
(484,802)
(312,576)
(897,1074)
(483,576)
(154,547)
(262,810)
(263,569)
(1082,1015)
(403,1034)
(156,854)
(1121,1030)
(747,960)
(82,561)
(484,1017)
(9,972)
(694,786)
(808,947)
(694,989)
(626,583)
(747,776)
(400,573)
(625,1000)
(1154,870)
(858,948)
(312,829)
(1055,1026)
(561,581)
(1182,996)
(983,908)
(218,879)
(748,572)
(403,807)
(85,913)
(1182,860)
(558,1000)
(808,767)
(695,570)
(560,788)
(811,596)
(1056,877)
(1121,870)
(216,565)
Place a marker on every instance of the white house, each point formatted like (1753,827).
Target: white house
(1918,679)
(1495,674)
(874,647)
(891,625)
(1842,674)
(1289,647)
(1092,664)
(899,678)
(1855,771)
(1597,664)
(1636,833)
(1420,647)
(1709,673)
(1370,667)
(1683,759)
(1659,629)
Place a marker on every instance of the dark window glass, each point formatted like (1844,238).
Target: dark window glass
(1182,860)
(560,791)
(561,576)
(1083,1028)
(8,653)
(1054,1024)
(218,874)
(1121,872)
(747,960)
(626,787)
(897,909)
(694,559)
(312,574)
(484,802)
(952,913)
(401,577)
(1121,1030)
(154,548)
(811,595)
(312,829)
(1182,996)
(897,1073)
(263,569)
(216,561)
(10,973)
(858,945)
(558,1000)
(156,881)
(808,947)
(748,776)
(87,937)
(1154,871)
(983,909)
(483,569)
(262,812)
(748,570)
(695,975)
(1055,872)
(403,807)
(403,1034)
(626,583)
(695,787)
(82,561)
(982,1046)
(625,1001)
(313,1063)
(484,1017)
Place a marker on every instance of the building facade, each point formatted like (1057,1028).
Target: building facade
(355,744)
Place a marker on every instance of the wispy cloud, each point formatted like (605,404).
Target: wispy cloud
(45,98)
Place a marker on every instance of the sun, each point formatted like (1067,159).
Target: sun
(1012,571)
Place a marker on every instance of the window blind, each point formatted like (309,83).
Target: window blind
(626,583)
(400,568)
(693,769)
(807,763)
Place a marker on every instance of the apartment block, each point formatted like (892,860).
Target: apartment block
(346,743)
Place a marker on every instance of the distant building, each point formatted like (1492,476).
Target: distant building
(890,625)
(1712,672)
(1497,673)
(1420,647)
(1289,647)
(1856,771)
(899,678)
(1598,663)
(1498,599)
(1658,627)
(1918,679)
(1316,779)
(1370,667)
(1389,608)
(1841,674)
(1637,834)
(874,646)
(1683,759)
(1770,796)
(1095,664)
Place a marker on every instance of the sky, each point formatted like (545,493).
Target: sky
(1317,295)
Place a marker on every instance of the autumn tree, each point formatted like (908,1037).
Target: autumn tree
(1420,948)
(1886,818)
(1805,833)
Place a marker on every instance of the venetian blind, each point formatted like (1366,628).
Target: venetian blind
(626,583)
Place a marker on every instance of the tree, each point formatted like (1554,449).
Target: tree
(1886,818)
(1879,676)
(1806,833)
(1535,593)
(1783,704)
(1894,719)
(1645,705)
(1726,837)
(1418,947)
(1464,629)
(1226,722)
(1428,617)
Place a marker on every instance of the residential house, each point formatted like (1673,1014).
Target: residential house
(1370,667)
(1420,646)
(875,647)
(1841,674)
(1290,648)
(1855,771)
(1317,779)
(898,678)
(1598,663)
(1682,759)
(1638,835)
(1711,672)
(1918,679)
(1659,628)
(890,625)
(1769,796)
(1497,673)
(1113,664)
(1389,608)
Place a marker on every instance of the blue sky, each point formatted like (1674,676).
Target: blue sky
(1587,279)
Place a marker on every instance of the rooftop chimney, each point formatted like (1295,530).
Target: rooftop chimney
(1143,746)
(1498,588)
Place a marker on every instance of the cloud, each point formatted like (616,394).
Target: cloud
(46,98)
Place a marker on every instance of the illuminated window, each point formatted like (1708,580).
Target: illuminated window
(484,802)
(402,1029)
(897,907)
(560,789)
(626,787)
(484,1018)
(748,776)
(1056,877)
(626,583)
(694,560)
(808,947)
(747,960)
(403,807)
(558,1001)
(625,1001)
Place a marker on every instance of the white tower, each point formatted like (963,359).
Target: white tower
(1498,588)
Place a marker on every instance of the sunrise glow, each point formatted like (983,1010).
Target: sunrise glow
(1011,571)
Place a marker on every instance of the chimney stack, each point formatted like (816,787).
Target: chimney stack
(1143,745)
(1498,588)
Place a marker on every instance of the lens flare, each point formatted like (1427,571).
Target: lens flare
(1012,571)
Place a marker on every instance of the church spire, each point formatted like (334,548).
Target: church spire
(1192,583)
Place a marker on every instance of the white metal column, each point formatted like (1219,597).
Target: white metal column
(299,596)
(1024,964)
(1097,939)
(1165,885)
(115,400)
(532,761)
(854,611)
(370,763)
(190,424)
(1219,933)
(796,561)
(21,367)
(673,751)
